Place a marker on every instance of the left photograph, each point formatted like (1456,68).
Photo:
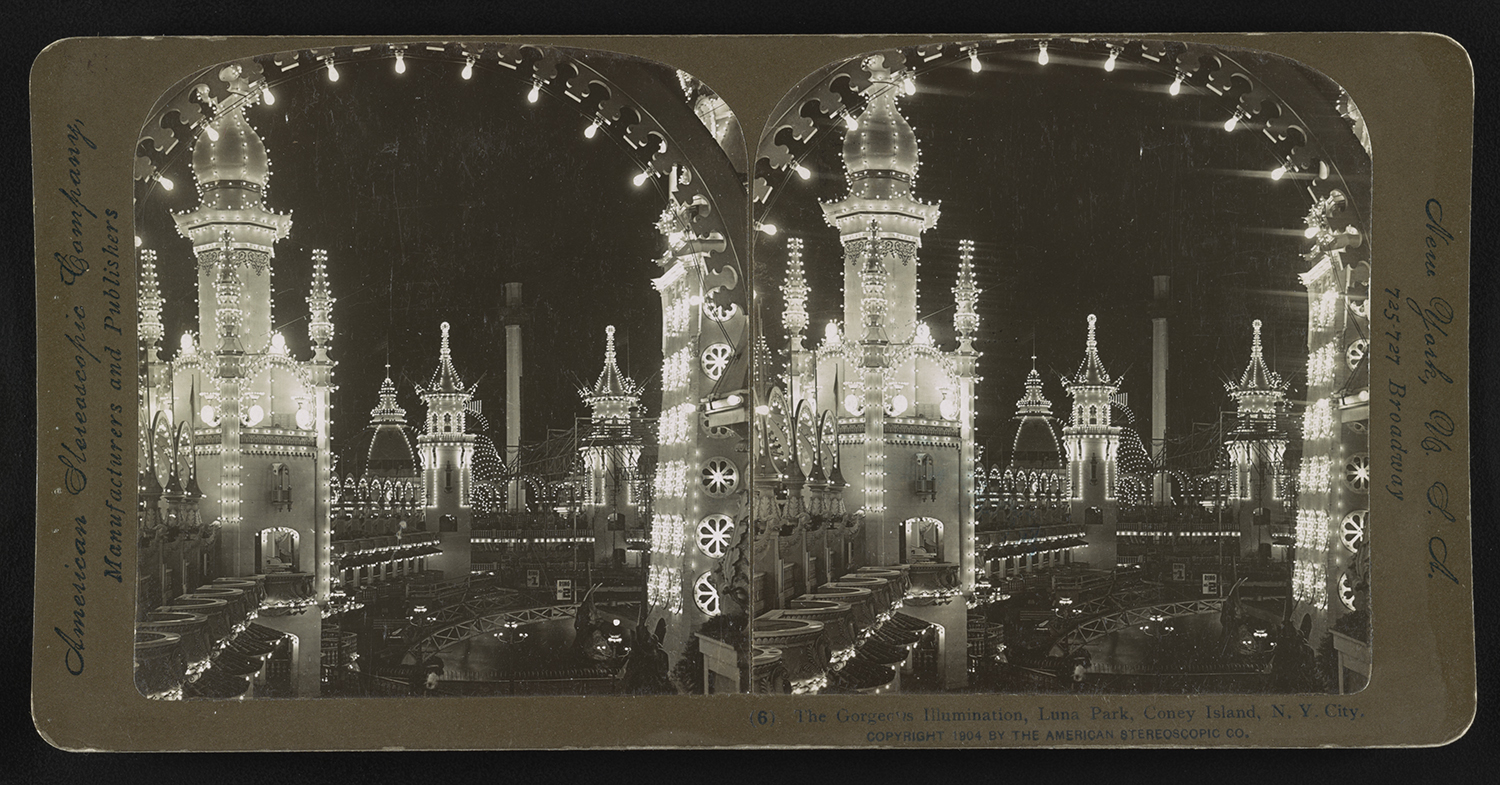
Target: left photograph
(455,402)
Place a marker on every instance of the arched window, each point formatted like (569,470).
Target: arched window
(925,484)
(448,477)
(279,481)
(447,423)
(1093,415)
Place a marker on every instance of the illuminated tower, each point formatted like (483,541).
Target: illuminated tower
(906,418)
(1256,446)
(447,451)
(255,418)
(1331,574)
(611,454)
(1092,444)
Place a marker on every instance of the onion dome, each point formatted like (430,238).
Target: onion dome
(1257,378)
(445,377)
(232,168)
(389,452)
(1036,444)
(237,157)
(1091,370)
(884,142)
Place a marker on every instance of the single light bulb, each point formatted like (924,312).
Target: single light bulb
(803,172)
(1310,232)
(138,241)
(588,133)
(468,72)
(1109,65)
(166,182)
(1233,121)
(851,123)
(536,92)
(333,72)
(1041,55)
(1277,173)
(213,136)
(400,62)
(1176,86)
(640,179)
(266,96)
(974,61)
(768,230)
(909,85)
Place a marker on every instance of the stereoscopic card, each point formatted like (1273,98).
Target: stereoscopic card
(1029,390)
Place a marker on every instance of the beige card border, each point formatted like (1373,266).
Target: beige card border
(1416,92)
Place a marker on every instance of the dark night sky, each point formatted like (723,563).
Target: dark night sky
(1076,186)
(429,193)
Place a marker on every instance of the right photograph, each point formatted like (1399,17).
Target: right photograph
(1061,374)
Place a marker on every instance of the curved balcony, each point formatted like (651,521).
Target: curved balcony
(215,609)
(837,618)
(898,574)
(768,674)
(289,587)
(881,588)
(934,577)
(160,664)
(241,604)
(803,645)
(860,599)
(254,585)
(192,628)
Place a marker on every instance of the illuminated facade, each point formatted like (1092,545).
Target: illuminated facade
(611,454)
(879,402)
(447,450)
(1093,443)
(233,419)
(1256,447)
(1331,572)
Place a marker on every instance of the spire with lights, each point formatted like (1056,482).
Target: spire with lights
(1033,401)
(320,308)
(794,291)
(150,302)
(388,411)
(614,395)
(966,295)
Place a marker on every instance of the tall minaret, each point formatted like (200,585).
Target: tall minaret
(904,406)
(612,453)
(1256,446)
(1092,444)
(265,482)
(447,462)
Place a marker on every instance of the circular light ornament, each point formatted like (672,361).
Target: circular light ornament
(1357,472)
(1352,533)
(1357,351)
(705,596)
(852,405)
(714,533)
(1346,592)
(186,344)
(948,408)
(898,405)
(278,344)
(304,419)
(716,360)
(255,415)
(720,477)
(207,414)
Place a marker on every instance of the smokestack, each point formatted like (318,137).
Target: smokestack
(515,497)
(1161,304)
